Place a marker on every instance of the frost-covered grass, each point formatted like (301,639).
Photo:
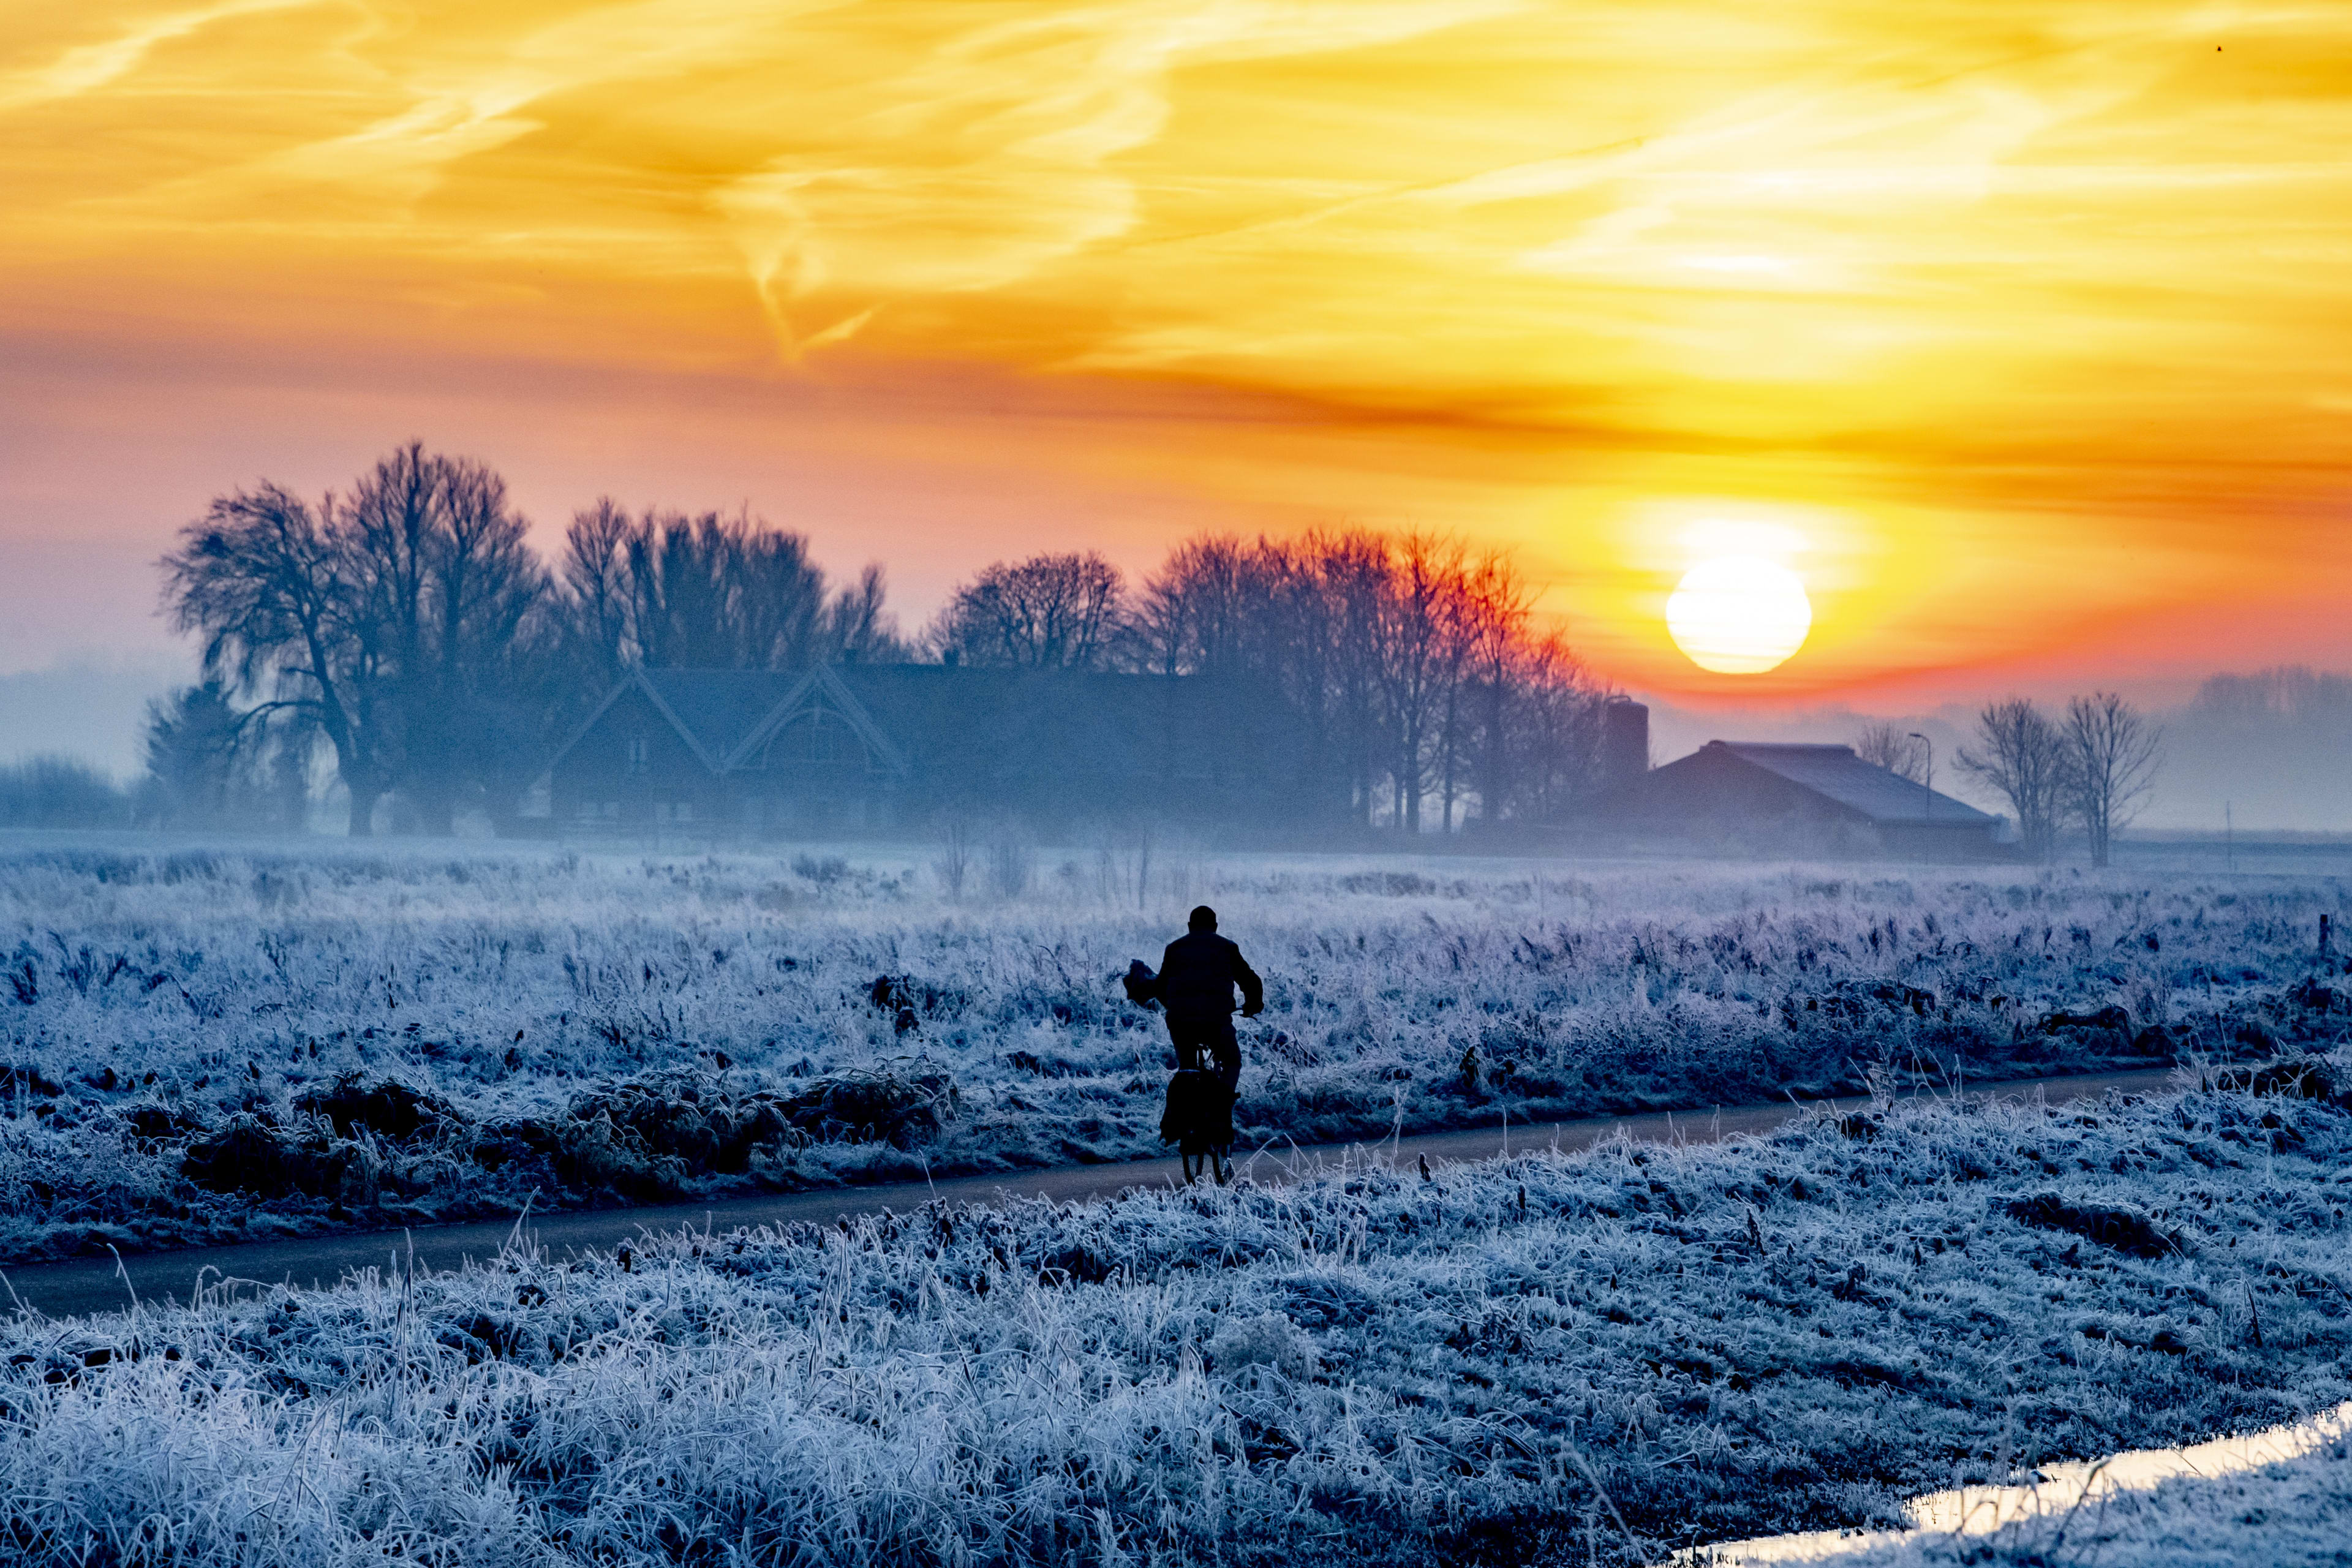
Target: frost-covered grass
(613,1028)
(1613,1353)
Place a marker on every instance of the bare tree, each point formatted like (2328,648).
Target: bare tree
(385,621)
(2020,754)
(1196,610)
(1551,734)
(715,593)
(1892,747)
(1352,574)
(268,585)
(592,590)
(440,556)
(1420,653)
(1492,610)
(667,590)
(1410,670)
(1054,612)
(858,629)
(2111,753)
(958,851)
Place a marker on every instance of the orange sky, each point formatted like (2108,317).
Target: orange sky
(2020,330)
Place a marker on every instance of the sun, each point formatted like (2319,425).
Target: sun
(1740,615)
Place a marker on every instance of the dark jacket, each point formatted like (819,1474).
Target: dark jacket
(1198,973)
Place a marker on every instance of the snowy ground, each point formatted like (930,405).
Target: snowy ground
(219,1044)
(1603,1355)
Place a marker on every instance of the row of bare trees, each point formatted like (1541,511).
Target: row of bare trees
(665,590)
(388,620)
(2091,767)
(1419,679)
(408,628)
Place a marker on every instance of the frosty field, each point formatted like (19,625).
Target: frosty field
(1593,1357)
(221,1044)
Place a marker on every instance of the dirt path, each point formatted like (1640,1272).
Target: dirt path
(98,1285)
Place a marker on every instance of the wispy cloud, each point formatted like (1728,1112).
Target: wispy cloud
(90,68)
(1998,283)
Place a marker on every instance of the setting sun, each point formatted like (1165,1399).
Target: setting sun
(1740,615)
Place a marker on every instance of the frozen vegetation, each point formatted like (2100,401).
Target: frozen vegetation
(204,1045)
(1597,1356)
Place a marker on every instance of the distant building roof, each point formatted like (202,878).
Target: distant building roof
(1056,741)
(717,709)
(1879,793)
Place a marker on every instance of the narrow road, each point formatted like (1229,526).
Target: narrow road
(97,1285)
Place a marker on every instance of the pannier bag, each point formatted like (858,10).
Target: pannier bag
(1200,1113)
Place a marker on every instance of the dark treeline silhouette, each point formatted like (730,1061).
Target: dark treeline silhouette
(2268,746)
(673,591)
(1415,670)
(405,633)
(405,625)
(59,792)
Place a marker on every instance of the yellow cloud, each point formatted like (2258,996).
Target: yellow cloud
(82,69)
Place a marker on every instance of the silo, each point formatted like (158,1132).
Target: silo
(1624,742)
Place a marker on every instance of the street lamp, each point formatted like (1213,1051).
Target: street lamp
(1928,784)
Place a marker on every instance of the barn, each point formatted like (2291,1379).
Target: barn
(852,749)
(1758,797)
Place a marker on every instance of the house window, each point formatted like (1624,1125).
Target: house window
(637,754)
(818,739)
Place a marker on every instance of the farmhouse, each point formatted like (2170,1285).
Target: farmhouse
(1802,799)
(861,748)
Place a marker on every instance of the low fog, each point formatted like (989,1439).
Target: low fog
(2267,750)
(399,659)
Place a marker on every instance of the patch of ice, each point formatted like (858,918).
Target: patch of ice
(1982,1510)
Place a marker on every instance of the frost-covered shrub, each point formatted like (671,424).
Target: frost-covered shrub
(1269,1340)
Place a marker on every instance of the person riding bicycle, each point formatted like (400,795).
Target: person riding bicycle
(1197,976)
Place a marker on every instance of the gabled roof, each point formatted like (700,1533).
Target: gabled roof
(1878,793)
(723,715)
(1056,739)
(821,687)
(717,709)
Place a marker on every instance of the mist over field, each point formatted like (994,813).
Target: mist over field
(2266,753)
(92,708)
